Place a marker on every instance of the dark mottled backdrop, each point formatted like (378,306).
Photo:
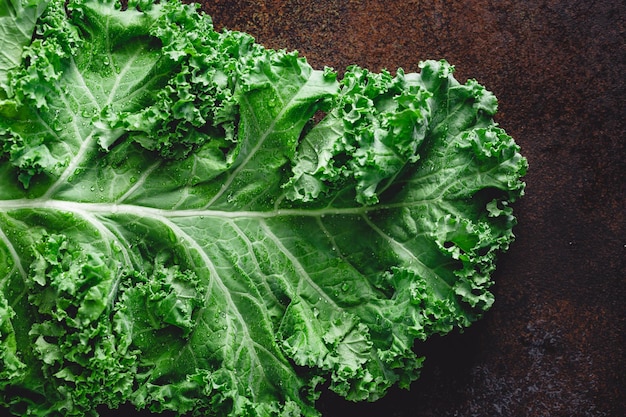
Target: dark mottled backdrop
(554,343)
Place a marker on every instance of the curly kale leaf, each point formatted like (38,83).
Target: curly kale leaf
(192,222)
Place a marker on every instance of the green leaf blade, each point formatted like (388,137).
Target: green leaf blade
(191,222)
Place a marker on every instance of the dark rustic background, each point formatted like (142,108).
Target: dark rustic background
(554,343)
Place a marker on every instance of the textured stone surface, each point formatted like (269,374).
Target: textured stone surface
(554,343)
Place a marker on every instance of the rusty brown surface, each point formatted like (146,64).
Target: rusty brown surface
(554,343)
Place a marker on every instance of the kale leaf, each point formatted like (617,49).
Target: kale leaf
(192,222)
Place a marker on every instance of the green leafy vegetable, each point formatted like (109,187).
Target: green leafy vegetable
(191,222)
